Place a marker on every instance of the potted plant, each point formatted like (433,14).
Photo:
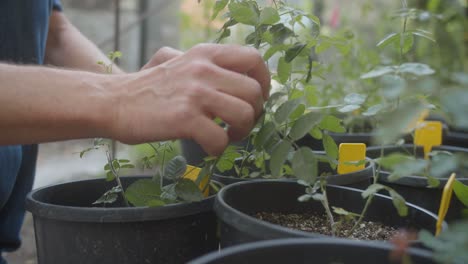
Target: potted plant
(421,181)
(166,218)
(262,210)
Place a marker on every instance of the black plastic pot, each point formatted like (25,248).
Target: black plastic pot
(414,188)
(236,203)
(68,230)
(315,144)
(359,179)
(456,138)
(306,251)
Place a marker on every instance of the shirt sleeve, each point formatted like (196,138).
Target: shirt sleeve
(57,5)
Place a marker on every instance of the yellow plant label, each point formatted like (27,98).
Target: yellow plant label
(428,134)
(445,202)
(350,153)
(191,173)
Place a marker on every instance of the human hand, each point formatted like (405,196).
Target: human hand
(162,55)
(180,97)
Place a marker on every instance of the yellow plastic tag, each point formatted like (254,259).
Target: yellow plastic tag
(348,153)
(445,202)
(428,134)
(191,173)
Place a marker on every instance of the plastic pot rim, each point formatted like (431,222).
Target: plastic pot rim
(294,242)
(229,210)
(110,214)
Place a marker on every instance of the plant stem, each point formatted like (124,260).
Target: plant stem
(117,178)
(376,173)
(326,206)
(211,171)
(402,36)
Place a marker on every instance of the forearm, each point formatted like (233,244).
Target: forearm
(39,104)
(67,47)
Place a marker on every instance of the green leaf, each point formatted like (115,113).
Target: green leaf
(316,133)
(413,167)
(124,160)
(373,110)
(423,35)
(393,159)
(393,86)
(399,202)
(175,168)
(461,191)
(442,164)
(127,166)
(399,122)
(389,39)
(348,108)
(355,99)
(271,51)
(304,165)
(218,6)
(188,191)
(408,41)
(116,164)
(280,33)
(330,146)
(379,71)
(283,70)
(264,134)
(418,69)
(278,157)
(303,125)
(285,110)
(143,191)
(243,13)
(372,189)
(169,193)
(294,51)
(332,124)
(110,176)
(109,196)
(455,103)
(268,16)
(322,46)
(298,112)
(226,162)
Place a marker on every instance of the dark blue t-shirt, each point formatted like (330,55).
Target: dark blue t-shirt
(23,29)
(23,34)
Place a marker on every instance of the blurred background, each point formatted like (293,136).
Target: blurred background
(138,28)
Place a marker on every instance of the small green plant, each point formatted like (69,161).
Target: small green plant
(168,184)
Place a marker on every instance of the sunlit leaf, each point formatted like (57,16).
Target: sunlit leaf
(303,125)
(142,191)
(188,191)
(304,165)
(278,157)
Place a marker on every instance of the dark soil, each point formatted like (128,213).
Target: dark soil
(367,230)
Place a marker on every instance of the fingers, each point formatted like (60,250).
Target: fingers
(244,60)
(239,114)
(231,83)
(162,55)
(210,136)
